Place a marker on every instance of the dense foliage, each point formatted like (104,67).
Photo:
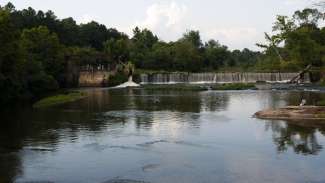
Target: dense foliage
(298,41)
(39,52)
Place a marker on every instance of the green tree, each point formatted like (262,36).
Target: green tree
(93,35)
(193,37)
(117,50)
(216,55)
(10,59)
(44,47)
(186,57)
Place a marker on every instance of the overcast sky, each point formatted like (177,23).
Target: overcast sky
(235,23)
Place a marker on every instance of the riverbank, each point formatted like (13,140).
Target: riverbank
(59,99)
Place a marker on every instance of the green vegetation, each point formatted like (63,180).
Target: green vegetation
(234,86)
(117,79)
(59,99)
(176,87)
(320,103)
(40,54)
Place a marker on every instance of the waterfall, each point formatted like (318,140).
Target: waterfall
(196,78)
(129,83)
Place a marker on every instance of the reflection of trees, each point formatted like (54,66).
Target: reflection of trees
(214,101)
(45,128)
(296,135)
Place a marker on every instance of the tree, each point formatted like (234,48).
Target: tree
(193,37)
(273,42)
(141,46)
(68,32)
(308,16)
(186,57)
(215,54)
(144,39)
(303,42)
(283,25)
(44,47)
(93,35)
(117,50)
(10,59)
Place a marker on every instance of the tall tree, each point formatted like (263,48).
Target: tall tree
(44,47)
(193,37)
(10,58)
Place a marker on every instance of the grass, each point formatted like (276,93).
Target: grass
(59,99)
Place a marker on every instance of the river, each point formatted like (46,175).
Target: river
(134,135)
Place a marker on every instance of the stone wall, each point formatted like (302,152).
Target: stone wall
(92,78)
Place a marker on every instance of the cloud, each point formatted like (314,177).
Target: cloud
(165,19)
(169,20)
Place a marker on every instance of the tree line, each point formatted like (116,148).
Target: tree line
(38,50)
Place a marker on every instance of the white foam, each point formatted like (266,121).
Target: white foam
(129,83)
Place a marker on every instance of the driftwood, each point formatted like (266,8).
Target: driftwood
(300,75)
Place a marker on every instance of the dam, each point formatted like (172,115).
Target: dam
(201,78)
(98,78)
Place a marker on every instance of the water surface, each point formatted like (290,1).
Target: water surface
(135,135)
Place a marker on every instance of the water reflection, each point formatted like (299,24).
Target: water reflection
(139,130)
(300,136)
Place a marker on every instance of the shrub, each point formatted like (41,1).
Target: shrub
(117,79)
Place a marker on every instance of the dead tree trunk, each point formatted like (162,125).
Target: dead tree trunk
(300,75)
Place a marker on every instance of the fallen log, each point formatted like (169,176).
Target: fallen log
(300,75)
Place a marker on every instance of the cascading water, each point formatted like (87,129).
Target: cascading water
(172,78)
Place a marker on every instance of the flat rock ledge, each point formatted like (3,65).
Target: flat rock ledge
(293,113)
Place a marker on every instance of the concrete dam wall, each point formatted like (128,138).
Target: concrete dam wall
(170,78)
(98,78)
(92,78)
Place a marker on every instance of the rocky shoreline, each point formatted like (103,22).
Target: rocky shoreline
(293,113)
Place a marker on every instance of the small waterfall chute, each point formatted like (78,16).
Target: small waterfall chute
(127,84)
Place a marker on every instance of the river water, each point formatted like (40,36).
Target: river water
(134,135)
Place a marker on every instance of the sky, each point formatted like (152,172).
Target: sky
(237,24)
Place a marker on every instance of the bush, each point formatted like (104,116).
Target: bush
(41,84)
(117,79)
